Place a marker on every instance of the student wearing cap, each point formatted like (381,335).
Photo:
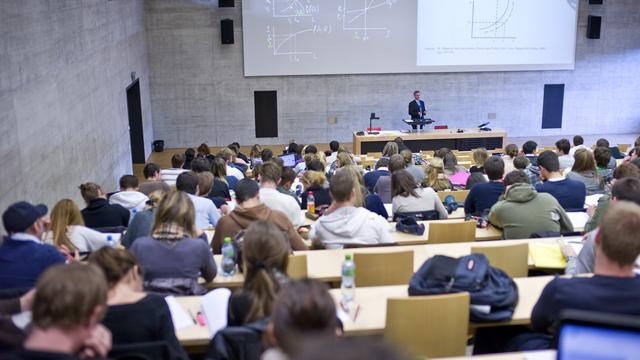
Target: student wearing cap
(23,257)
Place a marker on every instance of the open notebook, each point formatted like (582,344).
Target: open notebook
(213,307)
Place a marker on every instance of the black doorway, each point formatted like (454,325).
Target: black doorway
(135,122)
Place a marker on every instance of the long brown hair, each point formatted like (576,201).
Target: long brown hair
(114,263)
(403,184)
(176,208)
(64,214)
(219,169)
(265,257)
(584,161)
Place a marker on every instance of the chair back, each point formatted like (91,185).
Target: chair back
(431,326)
(419,215)
(459,195)
(297,268)
(379,269)
(451,232)
(512,259)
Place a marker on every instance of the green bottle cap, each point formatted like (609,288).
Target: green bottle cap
(347,257)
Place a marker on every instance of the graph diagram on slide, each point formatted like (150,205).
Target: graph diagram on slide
(490,19)
(292,8)
(357,16)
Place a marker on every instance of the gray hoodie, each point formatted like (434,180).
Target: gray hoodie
(351,225)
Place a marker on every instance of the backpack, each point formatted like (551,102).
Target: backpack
(238,342)
(493,293)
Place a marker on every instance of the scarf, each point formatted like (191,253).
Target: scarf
(169,231)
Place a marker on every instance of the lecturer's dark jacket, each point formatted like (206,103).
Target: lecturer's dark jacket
(416,111)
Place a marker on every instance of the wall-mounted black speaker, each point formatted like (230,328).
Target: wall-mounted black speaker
(594,23)
(595,2)
(226,31)
(226,3)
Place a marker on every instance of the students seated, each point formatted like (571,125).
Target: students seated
(621,172)
(67,229)
(510,153)
(615,152)
(153,180)
(200,164)
(523,164)
(602,155)
(529,151)
(584,170)
(11,336)
(524,211)
(249,210)
(71,328)
(173,258)
(566,160)
(479,157)
(99,213)
(141,223)
(203,152)
(569,193)
(627,189)
(334,146)
(456,174)
(381,169)
(266,155)
(287,179)
(343,223)
(416,171)
(269,178)
(255,155)
(435,176)
(307,150)
(578,143)
(383,185)
(22,255)
(132,315)
(265,256)
(221,182)
(228,156)
(483,196)
(206,213)
(475,178)
(390,149)
(614,288)
(205,182)
(170,175)
(315,182)
(129,197)
(303,309)
(239,158)
(189,155)
(408,197)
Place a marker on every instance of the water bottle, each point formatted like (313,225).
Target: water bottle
(228,258)
(348,284)
(311,203)
(110,241)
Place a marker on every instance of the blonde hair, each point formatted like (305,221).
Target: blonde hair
(176,208)
(64,214)
(436,178)
(313,179)
(390,148)
(356,174)
(344,159)
(256,151)
(480,156)
(205,183)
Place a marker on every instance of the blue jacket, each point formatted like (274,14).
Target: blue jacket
(371,178)
(22,262)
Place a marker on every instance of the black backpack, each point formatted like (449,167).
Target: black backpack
(486,285)
(238,342)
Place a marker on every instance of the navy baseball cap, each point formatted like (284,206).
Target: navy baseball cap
(20,216)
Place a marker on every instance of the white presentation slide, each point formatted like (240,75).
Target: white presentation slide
(316,37)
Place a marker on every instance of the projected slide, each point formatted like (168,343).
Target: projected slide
(309,37)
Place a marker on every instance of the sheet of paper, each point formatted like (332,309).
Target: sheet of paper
(592,200)
(575,243)
(578,219)
(540,355)
(214,307)
(181,319)
(547,256)
(389,208)
(22,320)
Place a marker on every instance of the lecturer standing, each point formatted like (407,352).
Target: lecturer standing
(417,109)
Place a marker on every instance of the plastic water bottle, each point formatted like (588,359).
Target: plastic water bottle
(348,284)
(311,203)
(110,241)
(228,258)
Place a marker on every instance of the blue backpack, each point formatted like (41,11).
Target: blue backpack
(493,293)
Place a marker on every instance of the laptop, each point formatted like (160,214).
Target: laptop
(289,160)
(589,335)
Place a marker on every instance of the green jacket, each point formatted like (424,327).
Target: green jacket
(603,205)
(524,211)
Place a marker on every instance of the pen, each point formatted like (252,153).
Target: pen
(355,315)
(192,317)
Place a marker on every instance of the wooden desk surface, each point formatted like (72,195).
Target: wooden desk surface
(538,355)
(325,265)
(194,335)
(373,305)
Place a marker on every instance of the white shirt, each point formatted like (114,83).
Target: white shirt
(25,237)
(282,202)
(566,162)
(231,171)
(572,151)
(83,238)
(170,175)
(207,214)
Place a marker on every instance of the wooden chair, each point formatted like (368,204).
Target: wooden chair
(623,147)
(376,155)
(297,268)
(512,259)
(460,195)
(451,232)
(431,326)
(378,269)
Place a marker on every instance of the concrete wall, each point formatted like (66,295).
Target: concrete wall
(199,93)
(64,68)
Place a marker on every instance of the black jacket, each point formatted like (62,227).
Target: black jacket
(99,213)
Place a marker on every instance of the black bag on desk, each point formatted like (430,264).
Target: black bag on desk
(486,285)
